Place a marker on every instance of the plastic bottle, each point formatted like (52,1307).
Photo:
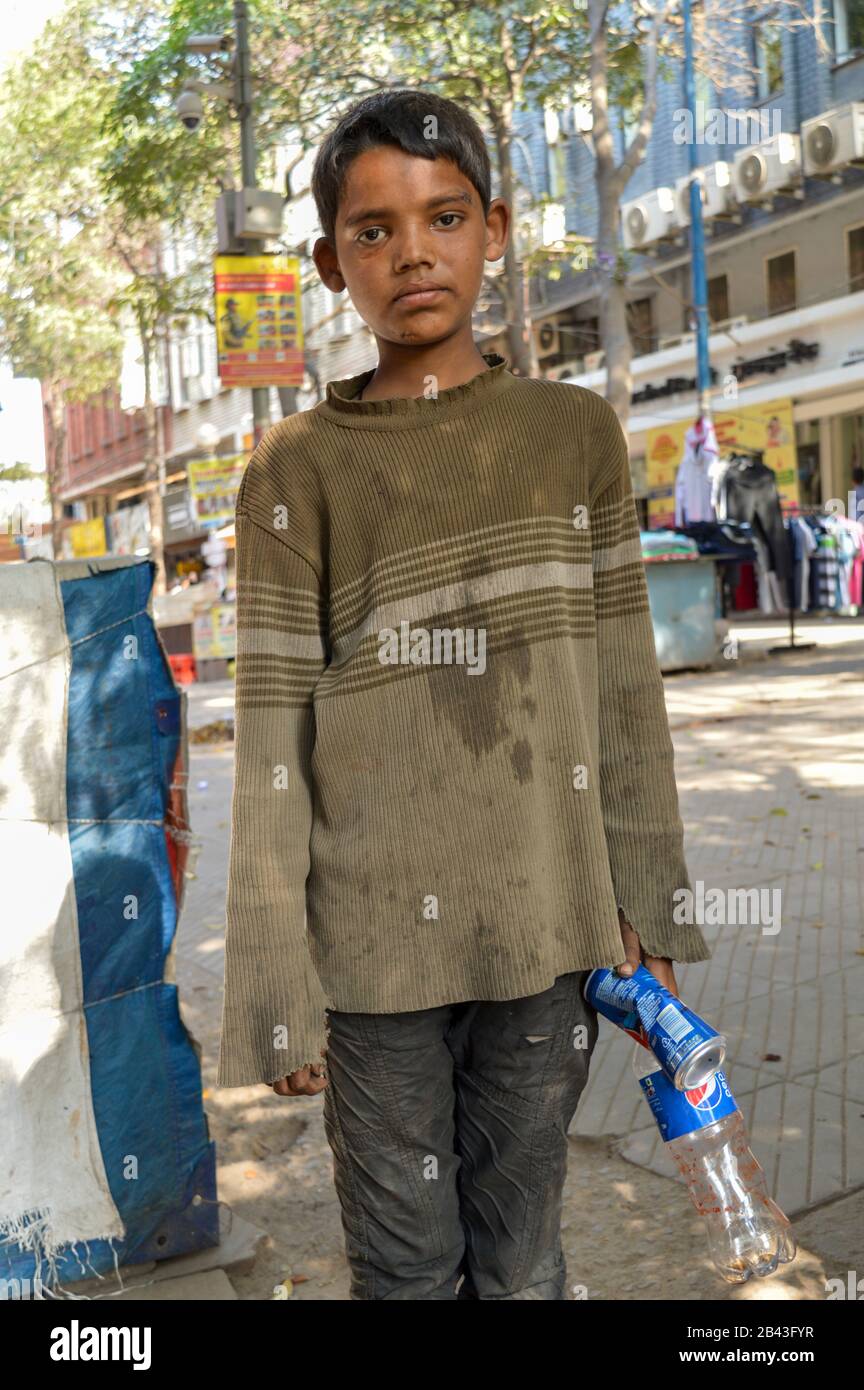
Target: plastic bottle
(748,1234)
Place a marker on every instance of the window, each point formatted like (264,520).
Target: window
(848,29)
(808,455)
(718,299)
(855,258)
(781,286)
(190,367)
(640,321)
(851,447)
(768,54)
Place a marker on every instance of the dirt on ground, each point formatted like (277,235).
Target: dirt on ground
(627,1233)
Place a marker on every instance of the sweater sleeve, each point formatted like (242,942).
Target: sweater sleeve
(644,832)
(273,1018)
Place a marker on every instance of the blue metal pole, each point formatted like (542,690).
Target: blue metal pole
(697,231)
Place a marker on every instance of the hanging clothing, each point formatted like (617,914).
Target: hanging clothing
(803,546)
(693,481)
(744,597)
(746,490)
(856,570)
(847,534)
(824,571)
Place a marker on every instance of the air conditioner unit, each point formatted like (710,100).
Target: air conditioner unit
(648,219)
(773,166)
(833,140)
(566,370)
(548,339)
(717,201)
(594,361)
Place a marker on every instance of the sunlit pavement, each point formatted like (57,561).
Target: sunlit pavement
(770,769)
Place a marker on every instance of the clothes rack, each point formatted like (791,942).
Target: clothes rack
(792,645)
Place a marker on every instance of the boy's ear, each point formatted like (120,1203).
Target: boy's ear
(327,265)
(497,229)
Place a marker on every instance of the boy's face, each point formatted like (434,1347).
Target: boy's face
(404,220)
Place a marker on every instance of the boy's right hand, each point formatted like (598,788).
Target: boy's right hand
(306,1081)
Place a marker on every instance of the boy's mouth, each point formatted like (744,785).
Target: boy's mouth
(423,293)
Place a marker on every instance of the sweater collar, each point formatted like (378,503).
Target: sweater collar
(406,412)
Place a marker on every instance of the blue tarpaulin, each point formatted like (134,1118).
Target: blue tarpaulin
(86,966)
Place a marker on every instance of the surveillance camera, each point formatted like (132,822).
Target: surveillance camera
(190,109)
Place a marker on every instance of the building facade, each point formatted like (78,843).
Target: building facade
(782,165)
(785,265)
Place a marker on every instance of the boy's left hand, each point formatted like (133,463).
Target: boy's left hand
(660,966)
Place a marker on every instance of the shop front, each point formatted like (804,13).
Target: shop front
(788,409)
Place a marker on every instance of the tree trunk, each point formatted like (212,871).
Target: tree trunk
(614,333)
(614,328)
(54,461)
(151,464)
(514,282)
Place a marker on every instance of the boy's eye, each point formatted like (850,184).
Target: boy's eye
(375,239)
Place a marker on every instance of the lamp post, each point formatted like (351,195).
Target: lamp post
(697,230)
(238,91)
(243,102)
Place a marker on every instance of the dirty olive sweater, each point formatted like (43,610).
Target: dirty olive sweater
(453,760)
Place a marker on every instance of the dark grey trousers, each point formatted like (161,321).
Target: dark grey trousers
(448,1128)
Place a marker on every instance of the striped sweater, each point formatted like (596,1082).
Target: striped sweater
(452,755)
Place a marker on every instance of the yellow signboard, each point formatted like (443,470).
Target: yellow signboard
(88,538)
(259,328)
(214,632)
(213,487)
(768,427)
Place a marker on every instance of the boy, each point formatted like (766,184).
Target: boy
(454,789)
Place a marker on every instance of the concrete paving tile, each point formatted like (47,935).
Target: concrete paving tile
(844,1079)
(809,1143)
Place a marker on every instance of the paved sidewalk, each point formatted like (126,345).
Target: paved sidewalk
(770,767)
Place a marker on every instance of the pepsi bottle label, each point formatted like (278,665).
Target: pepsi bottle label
(681,1112)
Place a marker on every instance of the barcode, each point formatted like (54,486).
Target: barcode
(675,1023)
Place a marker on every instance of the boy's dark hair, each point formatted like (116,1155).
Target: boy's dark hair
(399,116)
(858,475)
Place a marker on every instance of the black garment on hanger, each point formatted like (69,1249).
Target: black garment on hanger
(748,492)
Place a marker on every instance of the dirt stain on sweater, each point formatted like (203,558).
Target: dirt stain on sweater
(521,756)
(475,705)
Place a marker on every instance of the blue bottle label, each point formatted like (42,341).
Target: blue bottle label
(682,1112)
(642,1007)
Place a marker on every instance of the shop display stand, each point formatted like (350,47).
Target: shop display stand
(792,645)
